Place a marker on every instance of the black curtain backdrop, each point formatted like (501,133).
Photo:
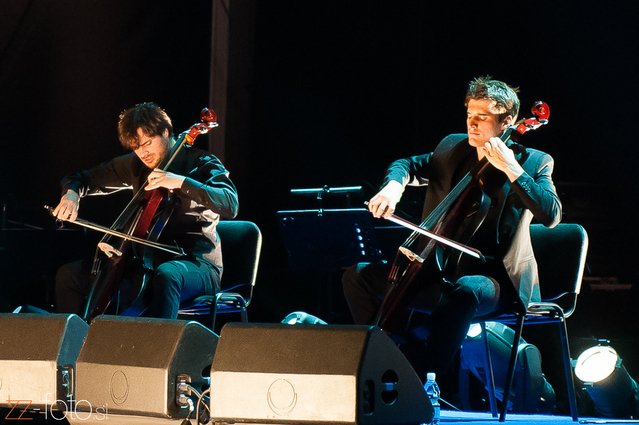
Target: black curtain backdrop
(330,93)
(67,70)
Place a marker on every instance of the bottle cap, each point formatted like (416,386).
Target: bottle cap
(430,376)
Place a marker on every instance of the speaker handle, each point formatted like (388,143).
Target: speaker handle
(68,380)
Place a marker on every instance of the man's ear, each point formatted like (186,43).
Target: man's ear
(165,133)
(507,121)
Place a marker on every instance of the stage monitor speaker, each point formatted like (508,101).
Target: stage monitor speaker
(132,366)
(281,374)
(38,354)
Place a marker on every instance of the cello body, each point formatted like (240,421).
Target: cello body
(457,221)
(129,262)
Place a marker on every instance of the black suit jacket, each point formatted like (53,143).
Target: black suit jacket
(505,234)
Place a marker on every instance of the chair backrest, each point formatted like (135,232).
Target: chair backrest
(241,246)
(561,258)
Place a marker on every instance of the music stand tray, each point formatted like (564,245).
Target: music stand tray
(328,239)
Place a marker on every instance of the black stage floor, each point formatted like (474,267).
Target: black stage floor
(449,417)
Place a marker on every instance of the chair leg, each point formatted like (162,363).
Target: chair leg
(511,367)
(488,368)
(244,315)
(570,383)
(212,315)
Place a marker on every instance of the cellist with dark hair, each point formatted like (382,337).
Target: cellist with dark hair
(521,187)
(201,193)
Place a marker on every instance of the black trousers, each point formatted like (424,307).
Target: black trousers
(172,282)
(430,344)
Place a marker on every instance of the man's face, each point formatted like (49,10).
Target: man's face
(152,150)
(483,122)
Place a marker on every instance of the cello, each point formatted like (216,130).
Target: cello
(447,229)
(136,232)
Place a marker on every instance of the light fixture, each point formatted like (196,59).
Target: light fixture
(302,318)
(530,393)
(614,393)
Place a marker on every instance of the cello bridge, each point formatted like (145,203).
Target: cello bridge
(410,254)
(109,250)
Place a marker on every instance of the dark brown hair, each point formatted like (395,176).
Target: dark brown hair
(149,117)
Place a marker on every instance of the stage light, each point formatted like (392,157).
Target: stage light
(302,318)
(26,308)
(474,331)
(614,393)
(530,393)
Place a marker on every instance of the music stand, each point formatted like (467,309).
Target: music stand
(328,239)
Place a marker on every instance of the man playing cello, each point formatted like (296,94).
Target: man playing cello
(202,193)
(508,278)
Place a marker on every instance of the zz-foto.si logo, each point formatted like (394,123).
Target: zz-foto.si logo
(82,410)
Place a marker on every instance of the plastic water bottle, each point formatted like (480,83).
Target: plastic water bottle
(432,389)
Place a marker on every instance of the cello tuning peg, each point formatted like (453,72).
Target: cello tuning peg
(208,116)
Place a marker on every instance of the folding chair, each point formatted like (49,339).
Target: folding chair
(241,246)
(561,256)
